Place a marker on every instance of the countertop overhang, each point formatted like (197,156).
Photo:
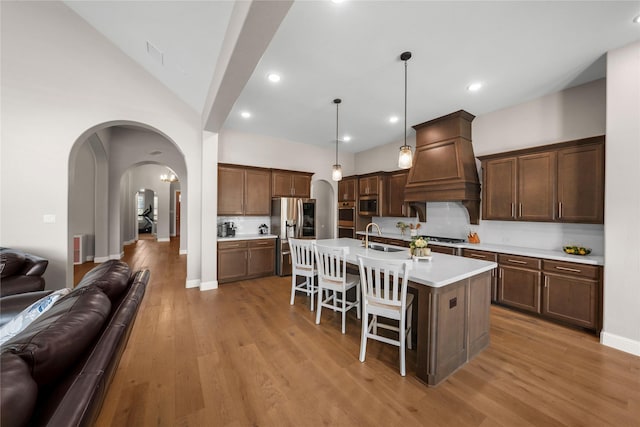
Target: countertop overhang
(440,271)
(247,237)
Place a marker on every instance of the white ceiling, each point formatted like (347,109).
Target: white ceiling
(350,50)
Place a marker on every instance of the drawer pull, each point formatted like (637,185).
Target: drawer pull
(515,261)
(478,256)
(573,270)
(233,246)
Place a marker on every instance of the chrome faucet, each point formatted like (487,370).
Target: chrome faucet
(366,234)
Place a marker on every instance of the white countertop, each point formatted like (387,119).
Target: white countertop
(557,255)
(440,271)
(247,237)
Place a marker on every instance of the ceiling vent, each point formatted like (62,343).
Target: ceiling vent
(155,53)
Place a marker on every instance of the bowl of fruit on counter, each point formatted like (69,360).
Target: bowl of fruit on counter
(576,250)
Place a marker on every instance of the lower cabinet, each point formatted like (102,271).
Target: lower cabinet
(245,259)
(571,293)
(443,249)
(485,256)
(519,282)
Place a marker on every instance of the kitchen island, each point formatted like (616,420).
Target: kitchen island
(451,310)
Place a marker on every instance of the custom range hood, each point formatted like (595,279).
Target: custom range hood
(444,166)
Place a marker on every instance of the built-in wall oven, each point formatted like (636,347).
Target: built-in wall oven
(347,219)
(368,206)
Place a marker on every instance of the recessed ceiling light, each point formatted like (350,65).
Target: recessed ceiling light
(245,114)
(393,119)
(337,1)
(637,19)
(273,77)
(346,138)
(474,87)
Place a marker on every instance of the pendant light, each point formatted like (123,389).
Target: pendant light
(405,159)
(336,175)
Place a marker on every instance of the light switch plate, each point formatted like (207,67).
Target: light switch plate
(49,219)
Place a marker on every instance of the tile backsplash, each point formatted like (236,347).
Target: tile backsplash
(451,219)
(246,224)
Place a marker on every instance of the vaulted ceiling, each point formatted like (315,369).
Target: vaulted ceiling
(324,50)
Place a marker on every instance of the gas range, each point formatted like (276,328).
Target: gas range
(443,239)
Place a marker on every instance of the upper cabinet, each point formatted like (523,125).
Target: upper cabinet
(347,189)
(396,182)
(369,185)
(290,184)
(581,184)
(243,190)
(561,182)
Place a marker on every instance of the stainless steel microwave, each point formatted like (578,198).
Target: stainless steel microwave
(368,206)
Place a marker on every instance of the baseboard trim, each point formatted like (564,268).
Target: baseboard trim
(89,258)
(620,343)
(116,256)
(183,251)
(101,259)
(129,242)
(163,239)
(208,286)
(194,283)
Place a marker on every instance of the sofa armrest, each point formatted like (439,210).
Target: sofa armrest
(34,265)
(12,305)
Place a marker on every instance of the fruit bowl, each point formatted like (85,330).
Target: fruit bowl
(576,250)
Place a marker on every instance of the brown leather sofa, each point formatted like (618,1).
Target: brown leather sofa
(56,372)
(20,272)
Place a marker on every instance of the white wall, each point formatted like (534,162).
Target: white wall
(82,195)
(60,81)
(384,157)
(622,201)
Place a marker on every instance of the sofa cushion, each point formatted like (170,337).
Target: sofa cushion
(57,339)
(27,316)
(18,391)
(10,263)
(112,277)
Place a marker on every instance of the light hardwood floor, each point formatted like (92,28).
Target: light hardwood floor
(242,356)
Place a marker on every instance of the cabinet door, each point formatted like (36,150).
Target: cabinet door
(571,299)
(232,264)
(499,188)
(261,260)
(368,186)
(395,206)
(280,184)
(257,192)
(581,184)
(347,190)
(230,190)
(536,187)
(301,185)
(485,256)
(519,288)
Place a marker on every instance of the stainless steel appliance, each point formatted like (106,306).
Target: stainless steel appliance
(291,217)
(226,229)
(368,206)
(347,219)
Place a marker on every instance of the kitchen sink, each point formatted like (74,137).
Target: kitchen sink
(383,248)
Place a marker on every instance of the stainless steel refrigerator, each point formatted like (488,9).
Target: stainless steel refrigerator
(291,217)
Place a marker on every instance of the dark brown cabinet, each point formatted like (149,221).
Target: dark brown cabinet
(243,190)
(519,282)
(443,249)
(571,293)
(485,256)
(369,186)
(581,184)
(347,189)
(519,188)
(560,182)
(396,182)
(290,184)
(245,259)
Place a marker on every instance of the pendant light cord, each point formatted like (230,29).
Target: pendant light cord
(337,107)
(405,102)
